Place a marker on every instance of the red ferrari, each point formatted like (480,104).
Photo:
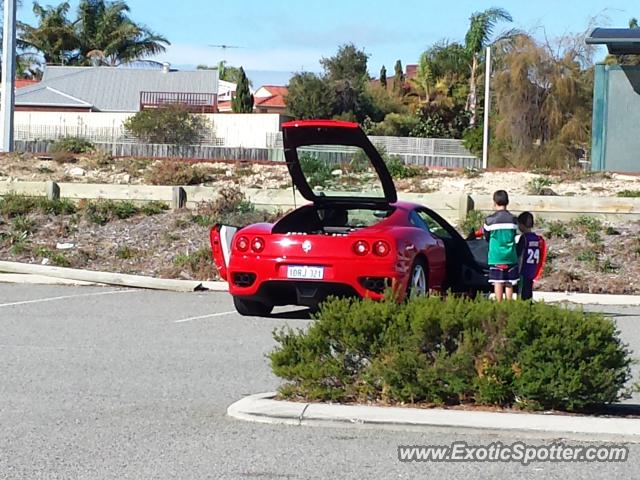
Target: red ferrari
(354,239)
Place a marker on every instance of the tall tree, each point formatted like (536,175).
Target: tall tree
(108,36)
(243,100)
(478,37)
(443,71)
(398,78)
(346,74)
(54,36)
(309,96)
(543,102)
(383,77)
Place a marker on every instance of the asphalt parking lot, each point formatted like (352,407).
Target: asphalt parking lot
(106,383)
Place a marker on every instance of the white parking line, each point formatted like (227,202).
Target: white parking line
(64,297)
(220,314)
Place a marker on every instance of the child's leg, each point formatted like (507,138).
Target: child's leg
(509,291)
(498,289)
(526,289)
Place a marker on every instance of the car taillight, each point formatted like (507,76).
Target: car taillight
(257,244)
(381,248)
(242,244)
(361,247)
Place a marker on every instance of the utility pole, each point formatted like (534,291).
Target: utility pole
(7,93)
(487,110)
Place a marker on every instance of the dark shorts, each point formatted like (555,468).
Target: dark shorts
(504,274)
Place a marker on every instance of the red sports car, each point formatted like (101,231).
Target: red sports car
(354,238)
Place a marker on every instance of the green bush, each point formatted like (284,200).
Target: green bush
(72,145)
(173,124)
(318,172)
(557,228)
(472,140)
(12,205)
(154,208)
(473,222)
(102,211)
(629,194)
(454,350)
(538,184)
(398,169)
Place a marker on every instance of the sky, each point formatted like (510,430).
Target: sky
(277,38)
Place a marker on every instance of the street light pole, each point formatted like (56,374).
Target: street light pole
(7,91)
(487,108)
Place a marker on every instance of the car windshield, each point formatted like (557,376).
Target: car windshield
(339,170)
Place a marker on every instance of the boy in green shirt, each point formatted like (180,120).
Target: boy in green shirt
(500,231)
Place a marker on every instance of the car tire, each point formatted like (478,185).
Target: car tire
(418,284)
(251,308)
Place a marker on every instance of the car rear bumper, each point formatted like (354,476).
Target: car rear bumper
(266,279)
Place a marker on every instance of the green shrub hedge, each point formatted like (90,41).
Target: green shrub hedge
(454,350)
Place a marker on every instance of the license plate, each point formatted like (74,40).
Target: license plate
(306,273)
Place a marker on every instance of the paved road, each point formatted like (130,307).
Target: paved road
(104,384)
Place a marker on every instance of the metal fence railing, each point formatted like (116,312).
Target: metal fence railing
(430,152)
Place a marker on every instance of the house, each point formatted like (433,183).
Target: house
(266,99)
(119,90)
(270,99)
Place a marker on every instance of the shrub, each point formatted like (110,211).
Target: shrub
(126,253)
(173,172)
(197,264)
(57,259)
(454,350)
(472,140)
(12,205)
(231,208)
(538,184)
(173,124)
(398,169)
(556,228)
(473,222)
(62,157)
(75,145)
(103,211)
(318,173)
(629,194)
(154,208)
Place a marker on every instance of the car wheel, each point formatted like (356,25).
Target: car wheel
(418,285)
(251,308)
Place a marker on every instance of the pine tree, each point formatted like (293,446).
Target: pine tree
(383,77)
(398,79)
(243,100)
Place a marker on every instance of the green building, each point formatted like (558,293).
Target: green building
(615,144)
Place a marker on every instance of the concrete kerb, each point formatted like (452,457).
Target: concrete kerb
(30,273)
(15,272)
(262,408)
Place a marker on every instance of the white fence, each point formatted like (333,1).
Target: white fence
(112,135)
(429,152)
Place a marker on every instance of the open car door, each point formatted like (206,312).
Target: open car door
(221,237)
(344,146)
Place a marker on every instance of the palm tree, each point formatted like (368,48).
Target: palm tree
(105,33)
(441,67)
(478,37)
(53,37)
